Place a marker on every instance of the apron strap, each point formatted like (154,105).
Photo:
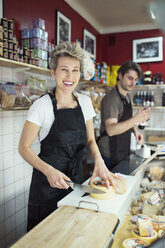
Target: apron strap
(54,101)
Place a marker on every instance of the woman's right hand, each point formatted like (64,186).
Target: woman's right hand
(56,178)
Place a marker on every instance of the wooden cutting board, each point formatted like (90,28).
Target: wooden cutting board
(70,227)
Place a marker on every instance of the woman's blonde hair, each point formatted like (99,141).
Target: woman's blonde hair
(66,49)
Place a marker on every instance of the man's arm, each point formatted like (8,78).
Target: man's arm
(113,127)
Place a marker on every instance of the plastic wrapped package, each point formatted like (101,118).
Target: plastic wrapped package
(25,33)
(8,96)
(37,87)
(18,99)
(39,23)
(26,102)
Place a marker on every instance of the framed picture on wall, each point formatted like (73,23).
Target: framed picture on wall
(148,50)
(89,43)
(63,28)
(1,8)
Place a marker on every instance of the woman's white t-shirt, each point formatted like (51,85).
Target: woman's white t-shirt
(41,113)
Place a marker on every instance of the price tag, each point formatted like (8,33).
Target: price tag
(155,198)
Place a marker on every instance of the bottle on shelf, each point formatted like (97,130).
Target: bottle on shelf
(153,79)
(161,78)
(141,98)
(144,98)
(163,98)
(142,125)
(157,78)
(152,100)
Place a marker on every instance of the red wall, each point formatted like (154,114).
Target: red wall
(111,48)
(117,48)
(24,12)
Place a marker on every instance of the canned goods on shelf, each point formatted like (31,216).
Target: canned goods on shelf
(25,59)
(15,46)
(4,22)
(1,49)
(1,33)
(5,44)
(15,56)
(5,53)
(10,54)
(10,45)
(10,34)
(10,24)
(26,52)
(5,33)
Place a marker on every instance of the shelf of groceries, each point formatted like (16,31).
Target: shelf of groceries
(24,66)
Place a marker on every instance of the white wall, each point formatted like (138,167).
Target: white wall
(15,173)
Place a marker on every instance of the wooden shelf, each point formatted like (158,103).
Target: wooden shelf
(14,109)
(93,83)
(15,64)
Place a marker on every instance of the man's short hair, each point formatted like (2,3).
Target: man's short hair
(129,65)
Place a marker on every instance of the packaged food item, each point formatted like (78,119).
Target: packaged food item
(8,96)
(5,33)
(37,87)
(4,22)
(10,24)
(10,34)
(149,239)
(26,102)
(1,49)
(156,173)
(158,223)
(1,33)
(5,53)
(144,225)
(1,90)
(135,242)
(18,99)
(39,23)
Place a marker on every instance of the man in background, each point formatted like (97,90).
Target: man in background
(117,121)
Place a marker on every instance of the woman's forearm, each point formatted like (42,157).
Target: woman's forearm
(32,158)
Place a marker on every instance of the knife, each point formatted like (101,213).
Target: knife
(85,188)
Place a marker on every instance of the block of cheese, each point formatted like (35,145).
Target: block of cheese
(146,196)
(122,184)
(158,222)
(100,184)
(144,225)
(151,210)
(150,239)
(135,242)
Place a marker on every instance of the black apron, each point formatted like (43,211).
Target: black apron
(120,144)
(63,148)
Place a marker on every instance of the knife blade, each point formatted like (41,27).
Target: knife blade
(85,188)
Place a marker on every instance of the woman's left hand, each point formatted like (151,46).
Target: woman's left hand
(100,170)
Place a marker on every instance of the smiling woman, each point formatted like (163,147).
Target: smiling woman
(63,121)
